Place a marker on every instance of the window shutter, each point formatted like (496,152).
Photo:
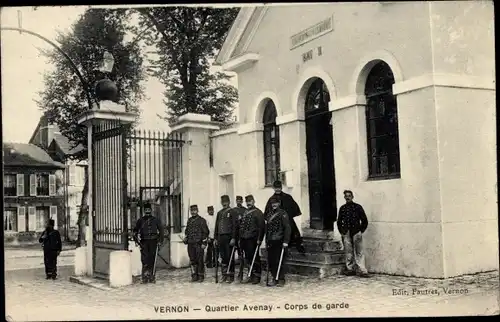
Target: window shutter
(32,184)
(53,215)
(21,219)
(32,218)
(52,185)
(72,175)
(20,184)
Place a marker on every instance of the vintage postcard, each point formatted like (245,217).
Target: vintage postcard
(249,161)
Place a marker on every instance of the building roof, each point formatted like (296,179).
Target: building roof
(65,145)
(23,154)
(242,30)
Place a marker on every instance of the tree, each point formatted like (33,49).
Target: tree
(187,40)
(64,96)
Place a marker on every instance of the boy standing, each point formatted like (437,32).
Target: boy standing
(196,236)
(52,246)
(210,218)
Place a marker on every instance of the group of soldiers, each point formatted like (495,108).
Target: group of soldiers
(236,230)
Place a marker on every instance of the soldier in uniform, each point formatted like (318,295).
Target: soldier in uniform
(278,233)
(148,233)
(291,207)
(226,227)
(240,210)
(251,233)
(52,246)
(196,239)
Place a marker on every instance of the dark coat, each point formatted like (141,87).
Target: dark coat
(289,205)
(352,218)
(252,224)
(278,226)
(51,240)
(149,227)
(226,223)
(196,230)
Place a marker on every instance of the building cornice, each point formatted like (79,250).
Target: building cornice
(288,118)
(250,128)
(241,62)
(443,80)
(347,101)
(224,132)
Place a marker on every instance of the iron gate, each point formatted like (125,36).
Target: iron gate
(130,168)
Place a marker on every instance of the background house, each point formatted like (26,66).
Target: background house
(33,192)
(48,137)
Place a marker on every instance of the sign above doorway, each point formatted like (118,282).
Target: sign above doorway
(311,33)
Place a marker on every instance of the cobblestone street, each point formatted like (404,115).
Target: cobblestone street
(63,300)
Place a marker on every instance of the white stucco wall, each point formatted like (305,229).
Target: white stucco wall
(428,221)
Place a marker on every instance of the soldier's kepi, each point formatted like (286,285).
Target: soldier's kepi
(251,234)
(278,233)
(196,239)
(148,232)
(225,234)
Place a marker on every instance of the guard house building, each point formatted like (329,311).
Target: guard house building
(392,100)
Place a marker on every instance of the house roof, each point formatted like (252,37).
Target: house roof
(243,29)
(23,154)
(65,145)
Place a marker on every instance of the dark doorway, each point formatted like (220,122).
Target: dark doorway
(320,164)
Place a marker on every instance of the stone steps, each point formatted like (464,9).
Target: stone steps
(324,256)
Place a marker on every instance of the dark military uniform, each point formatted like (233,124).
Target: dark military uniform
(226,228)
(196,236)
(240,210)
(52,246)
(150,231)
(278,232)
(288,204)
(251,233)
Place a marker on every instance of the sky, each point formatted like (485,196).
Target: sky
(23,68)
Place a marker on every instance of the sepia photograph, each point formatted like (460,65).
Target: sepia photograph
(249,160)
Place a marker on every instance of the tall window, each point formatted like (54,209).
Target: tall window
(271,144)
(382,123)
(42,216)
(9,187)
(9,219)
(42,185)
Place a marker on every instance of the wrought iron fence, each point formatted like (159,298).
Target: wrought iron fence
(133,166)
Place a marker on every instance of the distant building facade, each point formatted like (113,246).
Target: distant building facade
(48,137)
(33,192)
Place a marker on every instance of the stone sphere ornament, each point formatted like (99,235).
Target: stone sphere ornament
(106,90)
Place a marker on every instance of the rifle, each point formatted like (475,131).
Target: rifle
(216,248)
(242,262)
(279,265)
(154,265)
(267,266)
(230,260)
(253,260)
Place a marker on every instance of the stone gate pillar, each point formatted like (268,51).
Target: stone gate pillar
(195,130)
(111,114)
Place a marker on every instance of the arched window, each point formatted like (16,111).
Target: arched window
(317,98)
(271,144)
(382,123)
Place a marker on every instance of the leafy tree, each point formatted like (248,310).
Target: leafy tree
(64,96)
(187,40)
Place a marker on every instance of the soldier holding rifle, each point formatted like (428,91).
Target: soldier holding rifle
(278,233)
(226,227)
(240,210)
(251,233)
(148,233)
(196,239)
